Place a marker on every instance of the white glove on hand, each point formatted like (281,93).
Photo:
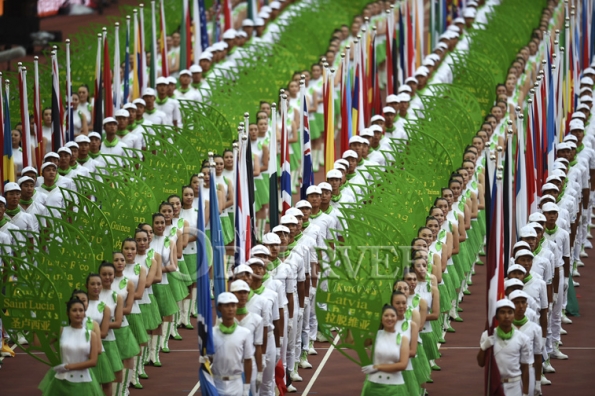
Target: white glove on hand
(264,361)
(488,342)
(555,298)
(277,355)
(289,326)
(246,390)
(369,369)
(566,280)
(312,293)
(61,368)
(300,315)
(204,359)
(543,341)
(258,380)
(537,388)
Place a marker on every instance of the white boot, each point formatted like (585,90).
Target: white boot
(557,354)
(193,302)
(165,333)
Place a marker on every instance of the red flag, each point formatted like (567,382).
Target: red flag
(280,378)
(107,81)
(389,56)
(410,46)
(227,18)
(530,165)
(37,114)
(26,146)
(344,108)
(163,42)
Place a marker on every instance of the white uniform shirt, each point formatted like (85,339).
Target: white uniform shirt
(510,354)
(533,333)
(191,94)
(230,351)
(560,239)
(325,222)
(536,288)
(25,222)
(260,306)
(157,117)
(171,108)
(253,323)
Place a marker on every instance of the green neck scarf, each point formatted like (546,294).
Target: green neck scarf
(26,202)
(195,85)
(350,176)
(111,144)
(3,222)
(94,155)
(580,148)
(284,254)
(13,212)
(132,126)
(83,160)
(539,247)
(328,210)
(291,245)
(305,224)
(504,336)
(122,132)
(361,162)
(317,215)
(298,237)
(259,290)
(573,162)
(64,172)
(183,90)
(527,278)
(152,111)
(336,198)
(520,323)
(273,265)
(161,101)
(242,311)
(266,277)
(552,231)
(50,188)
(228,330)
(390,129)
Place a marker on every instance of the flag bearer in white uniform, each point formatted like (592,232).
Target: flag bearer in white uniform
(533,332)
(233,350)
(171,107)
(511,351)
(28,202)
(21,219)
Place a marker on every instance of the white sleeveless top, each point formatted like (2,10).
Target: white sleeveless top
(424,290)
(110,298)
(132,272)
(386,351)
(191,216)
(404,328)
(161,245)
(145,261)
(95,311)
(120,286)
(75,347)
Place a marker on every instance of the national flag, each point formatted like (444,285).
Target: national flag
(521,175)
(355,102)
(402,46)
(250,187)
(530,164)
(345,105)
(206,346)
(116,93)
(410,42)
(98,95)
(376,105)
(242,219)
(7,159)
(163,41)
(25,144)
(551,112)
(419,16)
(201,36)
(329,121)
(585,36)
(285,166)
(185,37)
(69,109)
(207,385)
(108,108)
(389,57)
(153,43)
(507,199)
(57,117)
(39,146)
(137,66)
(495,277)
(272,170)
(217,243)
(126,91)
(307,171)
(252,10)
(227,17)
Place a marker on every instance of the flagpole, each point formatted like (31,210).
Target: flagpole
(37,114)
(116,76)
(70,134)
(301,135)
(25,118)
(126,91)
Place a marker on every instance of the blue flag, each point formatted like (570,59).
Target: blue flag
(307,171)
(203,300)
(217,242)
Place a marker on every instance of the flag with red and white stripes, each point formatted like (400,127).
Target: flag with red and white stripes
(243,231)
(39,147)
(27,159)
(307,170)
(57,112)
(285,165)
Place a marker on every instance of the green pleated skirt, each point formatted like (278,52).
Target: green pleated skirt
(183,266)
(227,229)
(150,314)
(411,382)
(430,345)
(52,386)
(374,389)
(127,344)
(113,354)
(137,327)
(165,300)
(177,284)
(103,369)
(190,260)
(421,366)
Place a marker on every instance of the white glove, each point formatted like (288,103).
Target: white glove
(277,355)
(312,293)
(585,216)
(369,369)
(488,342)
(566,280)
(264,361)
(61,368)
(300,314)
(537,388)
(204,359)
(543,341)
(525,394)
(246,390)
(555,298)
(289,326)
(258,380)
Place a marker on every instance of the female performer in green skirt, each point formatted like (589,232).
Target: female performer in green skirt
(260,152)
(190,214)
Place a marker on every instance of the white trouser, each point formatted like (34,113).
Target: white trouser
(556,318)
(285,340)
(513,388)
(233,387)
(306,324)
(267,388)
(313,320)
(253,378)
(291,335)
(532,379)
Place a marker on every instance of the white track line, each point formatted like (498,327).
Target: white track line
(320,367)
(195,389)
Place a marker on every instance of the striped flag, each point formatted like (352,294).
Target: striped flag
(126,91)
(39,147)
(285,166)
(7,159)
(217,243)
(273,182)
(57,117)
(307,171)
(206,346)
(108,108)
(389,57)
(201,36)
(98,95)
(329,120)
(185,38)
(356,101)
(227,17)
(163,41)
(26,145)
(153,65)
(117,94)
(551,112)
(69,109)
(345,105)
(137,74)
(243,233)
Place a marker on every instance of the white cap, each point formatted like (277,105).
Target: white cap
(562,160)
(294,212)
(122,113)
(281,228)
(516,267)
(458,20)
(259,22)
(270,238)
(587,81)
(585,91)
(549,207)
(454,28)
(378,117)
(375,128)
(171,80)
(571,144)
(578,114)
(94,134)
(589,70)
(577,124)
(349,154)
(586,99)
(340,167)
(433,56)
(11,186)
(160,80)
(239,285)
(428,62)
(404,97)
(129,106)
(527,232)
(552,177)
(255,260)
(227,298)
(325,186)
(549,186)
(469,13)
(24,179)
(558,172)
(247,22)
(313,190)
(513,282)
(288,219)
(521,244)
(422,71)
(303,204)
(536,216)
(559,165)
(82,139)
(524,252)
(562,146)
(518,294)
(2,200)
(263,14)
(64,150)
(334,174)
(140,101)
(405,87)
(356,139)
(535,225)
(241,33)
(109,119)
(242,268)
(229,34)
(185,72)
(72,144)
(51,154)
(388,109)
(275,5)
(342,161)
(392,99)
(149,92)
(504,303)
(28,169)
(195,69)
(547,197)
(261,249)
(45,165)
(206,55)
(441,45)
